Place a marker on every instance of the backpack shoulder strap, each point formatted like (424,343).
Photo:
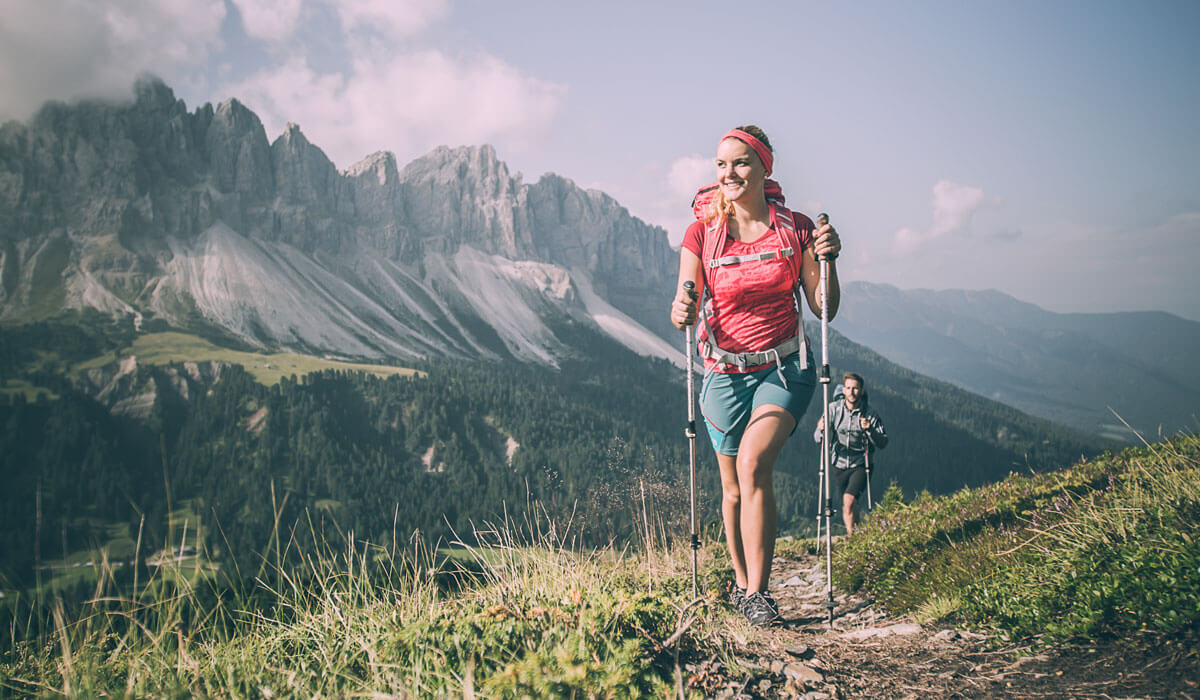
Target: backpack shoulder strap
(785,223)
(714,239)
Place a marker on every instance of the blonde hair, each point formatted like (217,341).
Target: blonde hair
(719,209)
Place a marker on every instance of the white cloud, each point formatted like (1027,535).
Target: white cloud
(667,201)
(688,174)
(662,200)
(385,90)
(409,103)
(953,205)
(395,19)
(269,20)
(59,49)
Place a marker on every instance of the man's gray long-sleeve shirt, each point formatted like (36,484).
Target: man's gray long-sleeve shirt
(850,440)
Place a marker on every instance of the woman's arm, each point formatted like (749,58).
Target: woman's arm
(683,307)
(825,242)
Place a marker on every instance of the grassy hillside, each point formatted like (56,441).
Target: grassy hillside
(1108,546)
(1104,547)
(517,615)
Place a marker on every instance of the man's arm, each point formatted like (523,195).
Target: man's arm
(876,432)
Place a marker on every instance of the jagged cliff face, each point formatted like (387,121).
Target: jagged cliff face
(148,209)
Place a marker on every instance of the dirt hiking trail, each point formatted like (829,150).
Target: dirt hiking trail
(867,654)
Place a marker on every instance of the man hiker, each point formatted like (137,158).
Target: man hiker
(857,431)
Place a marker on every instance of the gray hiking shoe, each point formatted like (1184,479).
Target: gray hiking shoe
(737,597)
(760,609)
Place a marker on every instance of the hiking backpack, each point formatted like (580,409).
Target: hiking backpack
(713,244)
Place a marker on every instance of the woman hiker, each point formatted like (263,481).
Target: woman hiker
(749,257)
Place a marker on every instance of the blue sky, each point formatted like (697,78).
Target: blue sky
(1046,149)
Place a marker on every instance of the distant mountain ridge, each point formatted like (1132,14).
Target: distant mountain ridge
(1068,368)
(145,208)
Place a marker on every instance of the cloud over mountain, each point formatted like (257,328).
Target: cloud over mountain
(53,49)
(952,205)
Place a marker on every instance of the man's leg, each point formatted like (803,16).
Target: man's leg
(849,511)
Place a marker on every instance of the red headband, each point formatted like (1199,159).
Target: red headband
(764,153)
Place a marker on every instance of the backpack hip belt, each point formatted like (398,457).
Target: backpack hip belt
(742,360)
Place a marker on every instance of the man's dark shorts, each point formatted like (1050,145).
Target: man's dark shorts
(852,481)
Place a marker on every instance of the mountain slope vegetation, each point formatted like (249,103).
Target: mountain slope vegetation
(434,451)
(525,615)
(1107,546)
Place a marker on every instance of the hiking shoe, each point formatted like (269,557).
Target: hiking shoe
(760,609)
(737,597)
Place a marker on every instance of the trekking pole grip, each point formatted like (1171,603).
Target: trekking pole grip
(823,219)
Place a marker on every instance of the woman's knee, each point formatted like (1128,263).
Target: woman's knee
(754,470)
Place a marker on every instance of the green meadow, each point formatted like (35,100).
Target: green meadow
(30,392)
(172,347)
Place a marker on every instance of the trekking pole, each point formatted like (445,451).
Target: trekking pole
(820,494)
(690,431)
(823,219)
(867,454)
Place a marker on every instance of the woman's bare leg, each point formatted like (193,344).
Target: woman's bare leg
(731,498)
(765,436)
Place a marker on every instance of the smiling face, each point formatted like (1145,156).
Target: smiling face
(739,170)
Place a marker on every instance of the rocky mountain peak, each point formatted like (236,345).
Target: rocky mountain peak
(380,165)
(303,173)
(238,152)
(151,94)
(234,116)
(186,216)
(465,195)
(292,138)
(477,168)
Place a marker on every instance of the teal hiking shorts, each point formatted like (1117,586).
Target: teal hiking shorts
(728,400)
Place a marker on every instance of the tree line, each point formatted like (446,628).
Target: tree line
(601,445)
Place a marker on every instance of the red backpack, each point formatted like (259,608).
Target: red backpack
(713,244)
